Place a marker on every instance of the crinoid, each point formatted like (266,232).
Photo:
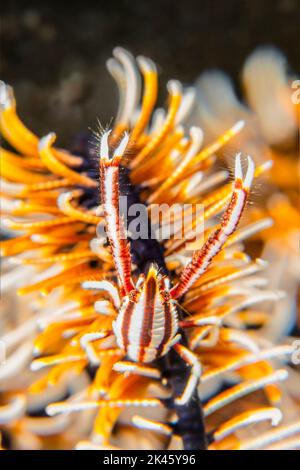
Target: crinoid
(122,331)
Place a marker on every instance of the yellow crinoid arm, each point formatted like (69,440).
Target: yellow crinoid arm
(18,135)
(50,160)
(174,89)
(149,72)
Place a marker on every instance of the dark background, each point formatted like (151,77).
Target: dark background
(54,55)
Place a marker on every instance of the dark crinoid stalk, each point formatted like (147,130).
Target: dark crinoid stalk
(124,331)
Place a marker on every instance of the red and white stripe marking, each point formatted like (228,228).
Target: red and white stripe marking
(109,172)
(202,258)
(147,322)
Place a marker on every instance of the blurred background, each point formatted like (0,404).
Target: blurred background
(54,56)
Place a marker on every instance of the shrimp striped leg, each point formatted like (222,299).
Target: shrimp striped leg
(86,342)
(195,373)
(109,173)
(69,407)
(202,258)
(140,369)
